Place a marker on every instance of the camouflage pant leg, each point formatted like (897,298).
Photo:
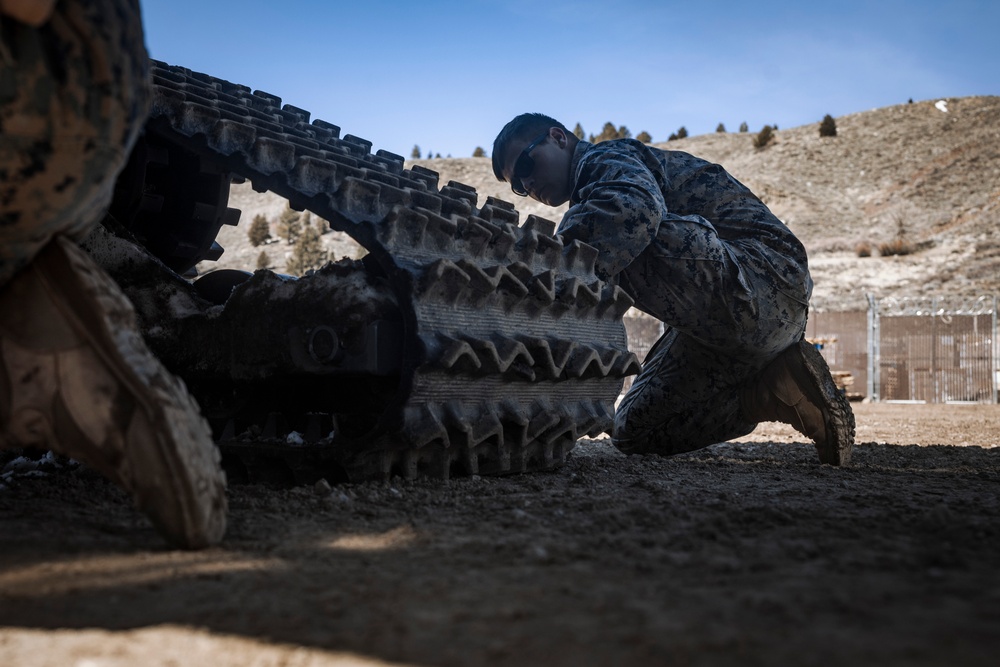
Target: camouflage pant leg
(688,394)
(685,398)
(74,94)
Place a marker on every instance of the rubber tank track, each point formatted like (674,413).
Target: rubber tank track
(513,348)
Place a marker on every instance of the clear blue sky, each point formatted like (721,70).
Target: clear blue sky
(447,74)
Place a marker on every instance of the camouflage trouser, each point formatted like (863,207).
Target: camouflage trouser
(733,320)
(74,94)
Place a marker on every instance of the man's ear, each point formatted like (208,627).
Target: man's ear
(560,136)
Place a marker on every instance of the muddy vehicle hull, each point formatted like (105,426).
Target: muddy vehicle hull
(464,343)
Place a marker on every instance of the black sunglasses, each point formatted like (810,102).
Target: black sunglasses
(525,166)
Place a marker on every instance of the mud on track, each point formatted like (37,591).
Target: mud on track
(745,553)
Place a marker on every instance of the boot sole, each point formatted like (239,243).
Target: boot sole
(840,424)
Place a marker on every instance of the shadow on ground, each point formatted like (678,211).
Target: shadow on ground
(747,553)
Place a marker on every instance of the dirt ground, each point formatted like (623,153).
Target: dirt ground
(745,553)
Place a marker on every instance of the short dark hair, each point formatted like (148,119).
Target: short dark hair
(527,124)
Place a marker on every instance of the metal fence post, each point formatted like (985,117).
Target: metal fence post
(873,348)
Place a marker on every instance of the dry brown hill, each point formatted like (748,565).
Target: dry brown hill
(927,170)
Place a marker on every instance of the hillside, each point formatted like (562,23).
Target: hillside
(926,169)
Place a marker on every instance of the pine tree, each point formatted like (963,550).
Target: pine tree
(309,253)
(479,152)
(744,127)
(644,137)
(260,231)
(263,261)
(289,225)
(578,131)
(608,132)
(828,128)
(623,133)
(720,128)
(682,132)
(415,153)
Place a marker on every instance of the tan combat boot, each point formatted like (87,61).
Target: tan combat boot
(77,378)
(797,388)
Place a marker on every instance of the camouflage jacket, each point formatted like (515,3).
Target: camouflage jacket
(629,198)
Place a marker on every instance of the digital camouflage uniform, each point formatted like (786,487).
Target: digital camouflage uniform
(698,251)
(73,97)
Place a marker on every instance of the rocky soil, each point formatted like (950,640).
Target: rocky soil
(747,553)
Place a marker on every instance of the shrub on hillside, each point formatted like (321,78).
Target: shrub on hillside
(863,249)
(828,128)
(900,245)
(897,246)
(679,134)
(763,138)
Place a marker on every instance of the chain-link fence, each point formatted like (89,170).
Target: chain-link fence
(922,350)
(933,350)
